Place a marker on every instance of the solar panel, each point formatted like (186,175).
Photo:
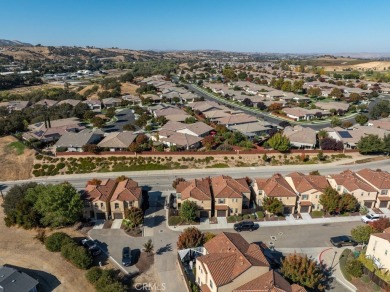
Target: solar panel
(344,134)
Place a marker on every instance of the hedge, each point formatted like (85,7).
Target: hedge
(93,275)
(77,255)
(174,220)
(104,280)
(55,241)
(260,214)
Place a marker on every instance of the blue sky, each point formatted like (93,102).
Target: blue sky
(299,26)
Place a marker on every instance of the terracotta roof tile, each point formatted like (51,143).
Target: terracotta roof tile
(227,187)
(198,189)
(303,183)
(275,186)
(379,179)
(351,181)
(100,192)
(127,190)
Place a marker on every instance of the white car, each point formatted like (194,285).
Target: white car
(370,218)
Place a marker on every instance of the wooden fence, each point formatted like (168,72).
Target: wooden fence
(381,283)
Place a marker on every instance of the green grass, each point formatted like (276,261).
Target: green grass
(317,214)
(149,166)
(218,165)
(17,146)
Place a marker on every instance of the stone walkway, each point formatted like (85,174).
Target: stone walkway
(116,224)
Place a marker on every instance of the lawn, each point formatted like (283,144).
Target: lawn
(17,146)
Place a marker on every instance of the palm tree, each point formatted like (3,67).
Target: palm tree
(148,246)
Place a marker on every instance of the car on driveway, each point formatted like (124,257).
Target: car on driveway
(91,246)
(126,256)
(244,225)
(343,240)
(370,218)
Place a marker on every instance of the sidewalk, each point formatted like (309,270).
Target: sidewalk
(222,224)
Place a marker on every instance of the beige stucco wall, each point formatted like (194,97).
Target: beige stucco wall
(233,204)
(206,204)
(380,249)
(123,206)
(96,207)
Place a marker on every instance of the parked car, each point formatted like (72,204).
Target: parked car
(370,218)
(95,251)
(244,225)
(126,256)
(91,246)
(343,240)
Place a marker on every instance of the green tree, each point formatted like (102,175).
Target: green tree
(228,73)
(298,85)
(273,205)
(336,92)
(59,205)
(322,134)
(330,200)
(55,241)
(188,210)
(287,86)
(304,271)
(190,120)
(335,122)
(134,216)
(348,203)
(354,267)
(110,113)
(190,237)
(242,75)
(314,91)
(361,119)
(370,144)
(380,110)
(98,122)
(386,143)
(94,274)
(361,233)
(279,142)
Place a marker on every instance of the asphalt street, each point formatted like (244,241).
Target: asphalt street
(161,180)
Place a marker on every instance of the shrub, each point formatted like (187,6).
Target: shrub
(354,268)
(77,255)
(231,219)
(317,214)
(93,274)
(174,220)
(260,214)
(343,261)
(41,235)
(55,241)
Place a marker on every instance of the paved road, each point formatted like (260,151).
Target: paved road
(161,180)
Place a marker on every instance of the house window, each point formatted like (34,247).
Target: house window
(178,195)
(236,210)
(221,201)
(96,205)
(116,205)
(384,192)
(305,197)
(338,188)
(198,280)
(260,193)
(101,205)
(386,252)
(361,194)
(316,196)
(211,284)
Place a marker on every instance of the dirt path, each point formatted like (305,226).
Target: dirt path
(19,248)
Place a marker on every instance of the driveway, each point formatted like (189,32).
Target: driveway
(123,117)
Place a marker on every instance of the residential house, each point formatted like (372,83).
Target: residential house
(233,120)
(229,262)
(154,98)
(111,102)
(72,102)
(127,194)
(96,197)
(378,249)
(349,182)
(381,123)
(94,104)
(276,187)
(53,130)
(380,180)
(172,114)
(46,102)
(198,191)
(188,97)
(132,99)
(14,105)
(300,114)
(252,130)
(230,195)
(198,129)
(300,137)
(74,142)
(332,105)
(118,141)
(309,189)
(271,281)
(180,140)
(12,280)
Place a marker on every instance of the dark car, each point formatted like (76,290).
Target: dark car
(344,240)
(87,243)
(126,256)
(244,225)
(95,251)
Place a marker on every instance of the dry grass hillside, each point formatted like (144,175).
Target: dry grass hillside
(374,65)
(16,159)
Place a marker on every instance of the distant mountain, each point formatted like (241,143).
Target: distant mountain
(8,43)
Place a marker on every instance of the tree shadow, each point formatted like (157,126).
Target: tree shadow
(47,281)
(154,221)
(166,248)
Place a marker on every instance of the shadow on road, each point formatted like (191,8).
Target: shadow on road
(47,281)
(154,221)
(166,248)
(135,254)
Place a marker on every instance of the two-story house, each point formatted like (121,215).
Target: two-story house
(380,180)
(198,191)
(228,263)
(276,187)
(378,249)
(127,194)
(309,189)
(230,195)
(96,196)
(349,182)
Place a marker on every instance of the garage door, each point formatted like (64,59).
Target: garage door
(118,216)
(368,204)
(287,210)
(221,213)
(305,209)
(204,214)
(383,205)
(100,216)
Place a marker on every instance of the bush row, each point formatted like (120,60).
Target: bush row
(104,280)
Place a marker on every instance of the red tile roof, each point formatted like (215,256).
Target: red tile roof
(198,189)
(229,255)
(100,192)
(351,181)
(303,183)
(227,187)
(127,190)
(275,186)
(379,179)
(269,282)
